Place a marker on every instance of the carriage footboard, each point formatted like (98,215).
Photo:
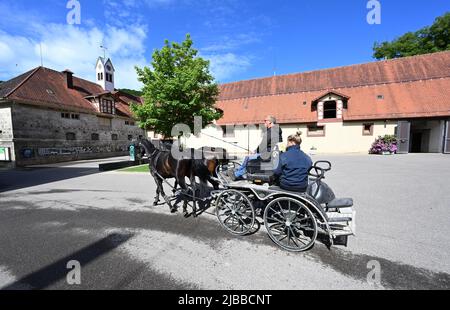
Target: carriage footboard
(342,222)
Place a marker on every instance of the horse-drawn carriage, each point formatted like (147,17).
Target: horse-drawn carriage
(293,220)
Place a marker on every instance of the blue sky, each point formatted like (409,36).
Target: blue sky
(242,39)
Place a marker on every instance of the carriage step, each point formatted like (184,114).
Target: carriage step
(340,219)
(340,203)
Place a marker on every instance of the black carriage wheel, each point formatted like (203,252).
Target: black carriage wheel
(290,224)
(235,212)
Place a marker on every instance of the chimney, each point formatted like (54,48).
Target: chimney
(69,78)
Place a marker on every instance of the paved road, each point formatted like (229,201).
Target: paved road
(106,221)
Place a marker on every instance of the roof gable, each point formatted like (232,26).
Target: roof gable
(8,87)
(331,93)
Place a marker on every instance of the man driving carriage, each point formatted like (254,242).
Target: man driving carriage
(272,136)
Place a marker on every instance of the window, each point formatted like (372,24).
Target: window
(107,106)
(114,137)
(100,76)
(316,131)
(5,154)
(130,137)
(109,77)
(380,97)
(228,132)
(75,116)
(95,137)
(65,115)
(329,109)
(70,136)
(367,129)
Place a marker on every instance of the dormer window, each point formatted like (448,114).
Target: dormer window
(329,109)
(107,106)
(330,106)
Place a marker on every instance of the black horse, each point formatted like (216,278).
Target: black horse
(163,165)
(204,164)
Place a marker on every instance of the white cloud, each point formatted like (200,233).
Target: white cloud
(75,48)
(225,66)
(227,43)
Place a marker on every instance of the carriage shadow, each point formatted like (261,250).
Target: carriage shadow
(203,200)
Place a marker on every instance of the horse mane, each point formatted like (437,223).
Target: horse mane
(148,146)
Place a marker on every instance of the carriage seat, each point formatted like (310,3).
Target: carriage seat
(279,189)
(259,171)
(340,203)
(261,178)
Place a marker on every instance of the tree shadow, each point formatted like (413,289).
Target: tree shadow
(57,271)
(29,177)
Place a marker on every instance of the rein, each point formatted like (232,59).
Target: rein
(224,141)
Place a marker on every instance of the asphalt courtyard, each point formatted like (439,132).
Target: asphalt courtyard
(105,221)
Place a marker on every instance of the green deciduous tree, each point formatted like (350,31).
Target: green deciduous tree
(133,92)
(178,87)
(426,40)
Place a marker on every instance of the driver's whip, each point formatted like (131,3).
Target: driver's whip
(233,144)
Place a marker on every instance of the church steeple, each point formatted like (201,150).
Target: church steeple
(105,74)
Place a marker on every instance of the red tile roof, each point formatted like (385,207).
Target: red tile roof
(47,87)
(416,86)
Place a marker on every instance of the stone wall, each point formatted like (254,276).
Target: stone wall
(44,136)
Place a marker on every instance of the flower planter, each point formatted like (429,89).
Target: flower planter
(386,145)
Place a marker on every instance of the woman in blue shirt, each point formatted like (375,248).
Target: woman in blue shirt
(293,166)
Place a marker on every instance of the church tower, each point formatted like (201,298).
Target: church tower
(105,74)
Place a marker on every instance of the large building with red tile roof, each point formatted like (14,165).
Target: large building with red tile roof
(343,110)
(49,116)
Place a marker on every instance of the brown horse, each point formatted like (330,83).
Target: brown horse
(163,166)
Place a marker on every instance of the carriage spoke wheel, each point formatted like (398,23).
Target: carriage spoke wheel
(290,224)
(235,212)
